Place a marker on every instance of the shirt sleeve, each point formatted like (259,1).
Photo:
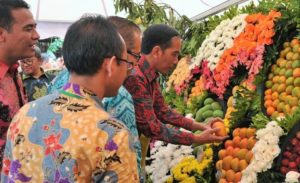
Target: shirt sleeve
(147,119)
(166,114)
(119,159)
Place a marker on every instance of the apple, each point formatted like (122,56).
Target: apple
(285,162)
(292,165)
(283,170)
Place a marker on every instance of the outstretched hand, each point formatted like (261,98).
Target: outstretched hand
(207,136)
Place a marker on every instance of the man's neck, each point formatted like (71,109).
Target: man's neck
(90,83)
(38,73)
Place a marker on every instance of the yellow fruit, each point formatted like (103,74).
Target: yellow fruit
(243,164)
(234,164)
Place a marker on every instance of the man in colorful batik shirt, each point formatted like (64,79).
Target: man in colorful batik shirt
(35,79)
(67,136)
(160,50)
(17,38)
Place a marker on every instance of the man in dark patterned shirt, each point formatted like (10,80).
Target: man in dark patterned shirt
(161,45)
(35,80)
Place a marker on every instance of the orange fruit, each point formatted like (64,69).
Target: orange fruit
(268,97)
(228,143)
(236,141)
(268,103)
(270,110)
(243,133)
(226,162)
(236,132)
(237,177)
(222,154)
(275,79)
(296,72)
(244,143)
(294,42)
(281,88)
(243,164)
(268,92)
(275,103)
(275,95)
(230,175)
(221,126)
(229,151)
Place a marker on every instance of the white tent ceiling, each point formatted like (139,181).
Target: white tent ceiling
(54,16)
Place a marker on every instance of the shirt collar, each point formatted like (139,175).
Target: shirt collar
(5,68)
(77,91)
(145,67)
(26,76)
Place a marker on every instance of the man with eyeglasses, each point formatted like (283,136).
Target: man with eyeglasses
(18,36)
(161,45)
(35,79)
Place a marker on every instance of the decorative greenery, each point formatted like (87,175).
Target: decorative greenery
(247,105)
(175,101)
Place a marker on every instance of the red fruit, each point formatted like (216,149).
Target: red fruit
(294,141)
(287,154)
(292,165)
(285,162)
(298,160)
(298,135)
(283,170)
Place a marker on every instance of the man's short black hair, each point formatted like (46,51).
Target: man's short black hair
(88,42)
(157,35)
(126,28)
(6,6)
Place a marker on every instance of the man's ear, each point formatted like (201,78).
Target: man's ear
(108,65)
(156,51)
(3,33)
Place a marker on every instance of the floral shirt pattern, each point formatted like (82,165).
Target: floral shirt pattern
(152,114)
(12,97)
(122,108)
(68,137)
(36,87)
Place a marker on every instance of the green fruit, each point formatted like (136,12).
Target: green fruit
(207,114)
(277,71)
(295,91)
(208,101)
(282,72)
(207,108)
(289,81)
(296,64)
(297,82)
(269,84)
(296,48)
(286,44)
(288,73)
(218,113)
(216,106)
(199,116)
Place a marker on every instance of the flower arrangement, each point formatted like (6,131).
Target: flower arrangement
(180,75)
(292,177)
(164,157)
(190,168)
(264,151)
(219,40)
(247,50)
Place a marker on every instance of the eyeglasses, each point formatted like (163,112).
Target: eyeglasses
(26,61)
(137,56)
(130,65)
